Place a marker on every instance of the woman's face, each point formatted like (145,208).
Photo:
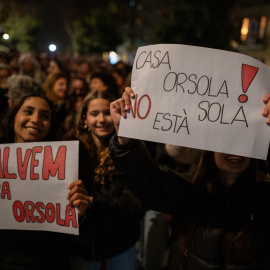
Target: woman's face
(32,121)
(60,88)
(97,84)
(231,166)
(53,67)
(77,87)
(98,118)
(4,74)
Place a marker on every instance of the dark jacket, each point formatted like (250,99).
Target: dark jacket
(163,190)
(112,223)
(33,250)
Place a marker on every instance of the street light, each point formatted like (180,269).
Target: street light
(52,47)
(6,36)
(114,58)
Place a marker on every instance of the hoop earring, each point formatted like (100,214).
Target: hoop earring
(85,126)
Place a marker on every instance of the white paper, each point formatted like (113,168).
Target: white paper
(34,179)
(189,96)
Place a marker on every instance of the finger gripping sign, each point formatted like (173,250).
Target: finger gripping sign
(200,98)
(34,179)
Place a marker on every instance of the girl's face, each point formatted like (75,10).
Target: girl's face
(32,121)
(97,84)
(231,166)
(98,118)
(60,88)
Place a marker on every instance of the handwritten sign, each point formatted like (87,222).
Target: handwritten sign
(33,186)
(200,98)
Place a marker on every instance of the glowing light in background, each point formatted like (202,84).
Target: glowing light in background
(244,29)
(6,36)
(114,58)
(52,47)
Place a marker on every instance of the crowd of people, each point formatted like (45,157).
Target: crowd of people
(207,211)
(64,81)
(71,101)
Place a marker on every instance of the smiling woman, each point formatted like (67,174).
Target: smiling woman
(30,120)
(230,167)
(99,120)
(113,218)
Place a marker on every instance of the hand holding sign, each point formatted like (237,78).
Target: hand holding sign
(44,173)
(266,110)
(78,196)
(119,108)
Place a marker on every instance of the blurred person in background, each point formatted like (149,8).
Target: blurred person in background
(126,69)
(19,85)
(78,89)
(120,78)
(55,66)
(84,71)
(5,72)
(56,89)
(103,81)
(14,65)
(28,65)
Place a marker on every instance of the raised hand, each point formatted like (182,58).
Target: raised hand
(119,108)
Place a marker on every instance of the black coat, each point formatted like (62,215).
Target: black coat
(112,223)
(33,250)
(163,190)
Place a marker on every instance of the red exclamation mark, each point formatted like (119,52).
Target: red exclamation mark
(248,74)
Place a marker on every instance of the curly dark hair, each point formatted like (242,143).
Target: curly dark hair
(7,124)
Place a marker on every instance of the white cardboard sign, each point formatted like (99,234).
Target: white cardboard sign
(200,98)
(34,179)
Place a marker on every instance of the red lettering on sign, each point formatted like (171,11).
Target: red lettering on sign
(50,167)
(22,165)
(34,163)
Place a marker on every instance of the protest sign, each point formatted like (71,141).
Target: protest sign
(34,179)
(200,98)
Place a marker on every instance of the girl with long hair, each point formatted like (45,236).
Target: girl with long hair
(111,228)
(31,120)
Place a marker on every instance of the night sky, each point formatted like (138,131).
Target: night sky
(52,15)
(52,28)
